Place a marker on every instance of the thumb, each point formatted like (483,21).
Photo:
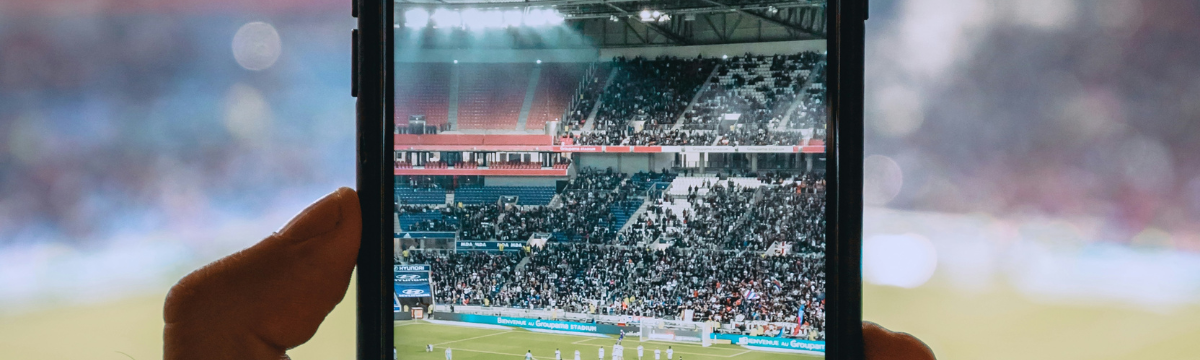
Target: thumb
(272,296)
(884,344)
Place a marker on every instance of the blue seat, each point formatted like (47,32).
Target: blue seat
(406,220)
(421,196)
(526,195)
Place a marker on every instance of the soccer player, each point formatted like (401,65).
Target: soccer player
(557,354)
(428,347)
(622,337)
(657,354)
(528,354)
(618,351)
(640,349)
(448,355)
(601,353)
(670,353)
(577,354)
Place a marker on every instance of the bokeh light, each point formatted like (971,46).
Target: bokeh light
(898,260)
(256,46)
(882,180)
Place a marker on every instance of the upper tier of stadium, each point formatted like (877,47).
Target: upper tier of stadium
(743,100)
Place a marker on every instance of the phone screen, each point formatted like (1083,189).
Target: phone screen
(611,180)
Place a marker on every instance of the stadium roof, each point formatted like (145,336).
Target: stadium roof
(614,23)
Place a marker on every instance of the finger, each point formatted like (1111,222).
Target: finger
(272,296)
(881,344)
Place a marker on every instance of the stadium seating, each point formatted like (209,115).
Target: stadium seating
(408,219)
(621,212)
(591,87)
(421,196)
(643,181)
(526,195)
(423,89)
(490,96)
(653,90)
(556,85)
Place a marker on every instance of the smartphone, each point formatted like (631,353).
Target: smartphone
(590,179)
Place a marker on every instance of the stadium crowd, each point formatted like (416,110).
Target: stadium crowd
(762,89)
(760,137)
(466,277)
(655,91)
(589,92)
(728,287)
(720,265)
(645,138)
(583,212)
(787,209)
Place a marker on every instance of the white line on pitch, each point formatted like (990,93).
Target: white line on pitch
(472,338)
(743,352)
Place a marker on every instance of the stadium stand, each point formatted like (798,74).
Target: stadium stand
(775,96)
(424,219)
(405,195)
(423,89)
(467,278)
(526,195)
(590,89)
(734,288)
(655,91)
(490,96)
(555,88)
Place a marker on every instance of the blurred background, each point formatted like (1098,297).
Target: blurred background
(1032,178)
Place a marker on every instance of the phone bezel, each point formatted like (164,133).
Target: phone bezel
(374,85)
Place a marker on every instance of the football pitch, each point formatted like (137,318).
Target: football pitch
(469,343)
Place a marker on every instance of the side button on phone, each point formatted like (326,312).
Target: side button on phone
(354,63)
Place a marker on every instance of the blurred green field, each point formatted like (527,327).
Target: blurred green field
(986,324)
(468,343)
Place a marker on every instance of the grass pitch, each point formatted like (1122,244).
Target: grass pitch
(468,343)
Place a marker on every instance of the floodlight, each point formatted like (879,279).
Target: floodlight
(554,17)
(613,18)
(664,18)
(512,18)
(416,18)
(535,17)
(473,18)
(447,18)
(655,14)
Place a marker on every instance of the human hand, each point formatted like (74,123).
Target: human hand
(272,296)
(883,344)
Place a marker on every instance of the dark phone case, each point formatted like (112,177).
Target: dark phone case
(373,85)
(844,255)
